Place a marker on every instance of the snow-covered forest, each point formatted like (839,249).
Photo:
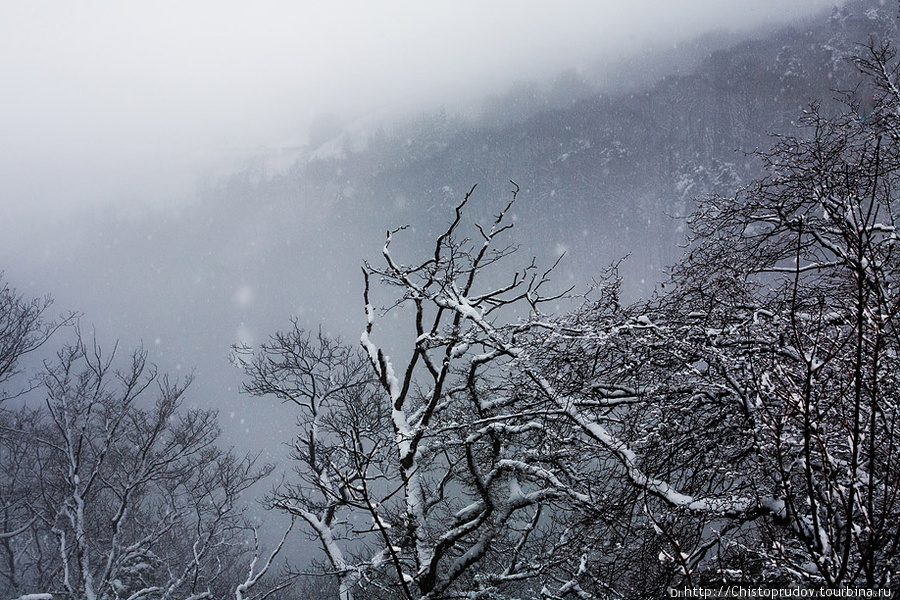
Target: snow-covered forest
(593,340)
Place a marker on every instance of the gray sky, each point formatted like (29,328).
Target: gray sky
(113,100)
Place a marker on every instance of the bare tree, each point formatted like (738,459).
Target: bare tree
(443,475)
(339,452)
(24,327)
(127,494)
(795,325)
(478,461)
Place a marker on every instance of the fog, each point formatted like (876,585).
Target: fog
(192,176)
(114,115)
(109,102)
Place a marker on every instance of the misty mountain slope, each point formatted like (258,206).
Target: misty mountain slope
(618,165)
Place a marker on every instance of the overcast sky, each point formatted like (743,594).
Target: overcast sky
(108,100)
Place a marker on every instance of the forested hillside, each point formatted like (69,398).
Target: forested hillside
(620,165)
